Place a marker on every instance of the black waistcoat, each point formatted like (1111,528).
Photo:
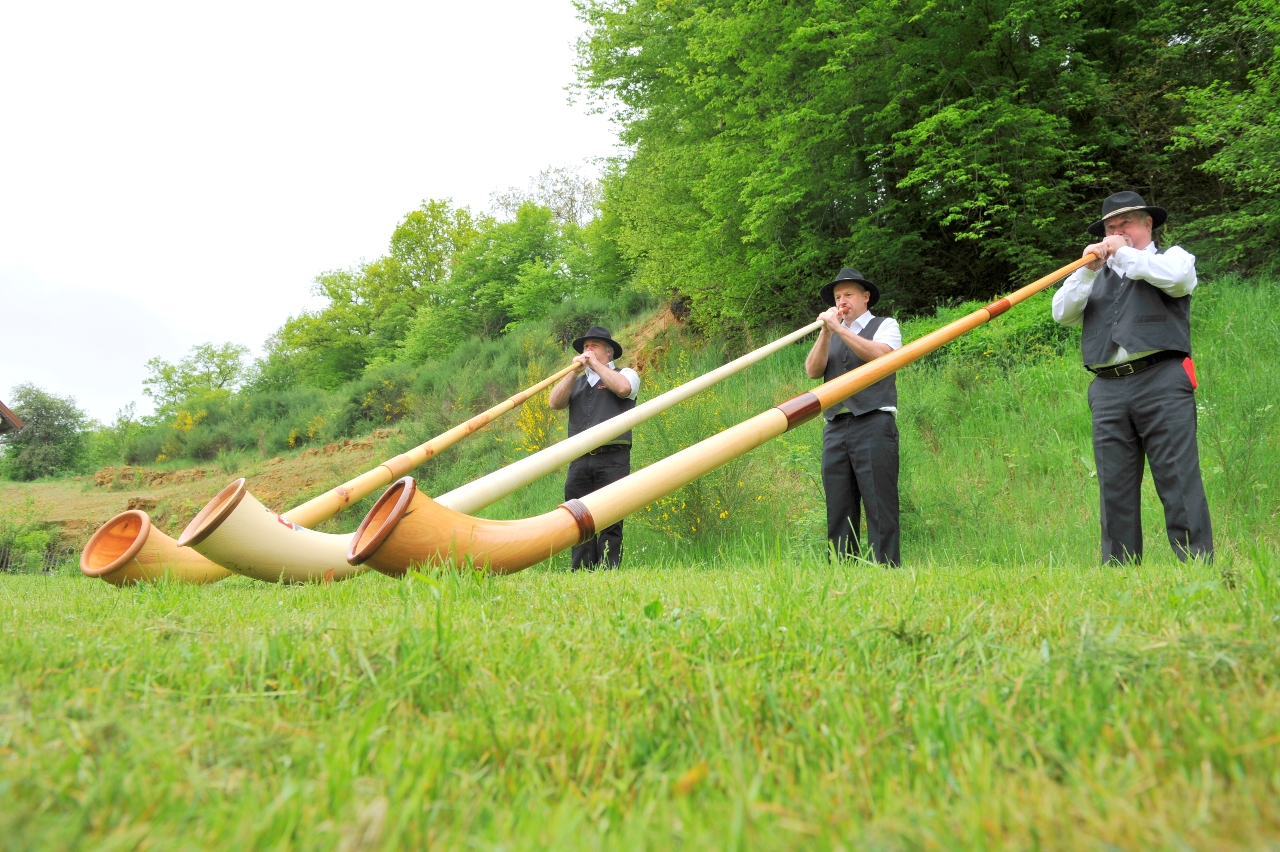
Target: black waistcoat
(1139,316)
(841,359)
(590,406)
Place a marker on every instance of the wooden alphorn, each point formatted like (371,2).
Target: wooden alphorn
(238,532)
(406,528)
(125,550)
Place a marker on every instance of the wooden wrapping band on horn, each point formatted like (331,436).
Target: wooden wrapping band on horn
(997,307)
(800,409)
(582,517)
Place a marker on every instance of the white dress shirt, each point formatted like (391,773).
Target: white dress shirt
(889,333)
(632,376)
(1174,272)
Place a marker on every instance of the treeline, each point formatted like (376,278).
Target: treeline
(946,149)
(943,148)
(397,336)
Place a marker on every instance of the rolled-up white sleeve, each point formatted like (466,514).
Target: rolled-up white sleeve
(1174,272)
(889,333)
(634,378)
(1069,301)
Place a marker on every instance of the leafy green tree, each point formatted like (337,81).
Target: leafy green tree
(512,271)
(208,370)
(1238,127)
(52,440)
(941,147)
(371,308)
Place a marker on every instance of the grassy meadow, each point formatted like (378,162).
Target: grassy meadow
(728,688)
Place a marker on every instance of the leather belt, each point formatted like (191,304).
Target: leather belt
(1137,365)
(609,448)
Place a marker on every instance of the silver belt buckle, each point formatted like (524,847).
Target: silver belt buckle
(1121,371)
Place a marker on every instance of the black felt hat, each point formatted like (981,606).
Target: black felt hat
(828,291)
(599,333)
(1127,202)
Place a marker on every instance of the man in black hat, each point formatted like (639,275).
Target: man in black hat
(593,394)
(1135,306)
(860,440)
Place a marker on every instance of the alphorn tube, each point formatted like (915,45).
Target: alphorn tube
(405,527)
(489,489)
(334,501)
(260,544)
(118,560)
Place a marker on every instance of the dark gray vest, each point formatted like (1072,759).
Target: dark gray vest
(841,359)
(590,406)
(1122,311)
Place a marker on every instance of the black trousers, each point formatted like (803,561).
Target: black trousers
(860,468)
(591,473)
(1151,414)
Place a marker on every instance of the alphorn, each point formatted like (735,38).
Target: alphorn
(237,531)
(406,527)
(128,549)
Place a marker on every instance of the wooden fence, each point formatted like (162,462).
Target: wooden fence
(13,561)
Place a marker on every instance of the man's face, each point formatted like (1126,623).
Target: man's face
(602,351)
(851,299)
(1136,226)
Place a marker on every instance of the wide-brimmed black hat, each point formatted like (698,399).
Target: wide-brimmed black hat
(1127,202)
(599,333)
(828,291)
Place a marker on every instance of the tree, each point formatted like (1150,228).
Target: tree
(208,370)
(572,197)
(1238,127)
(370,308)
(52,440)
(943,147)
(513,271)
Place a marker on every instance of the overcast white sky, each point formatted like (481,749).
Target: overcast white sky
(176,173)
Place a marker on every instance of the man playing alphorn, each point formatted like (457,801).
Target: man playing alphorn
(593,394)
(1135,306)
(860,440)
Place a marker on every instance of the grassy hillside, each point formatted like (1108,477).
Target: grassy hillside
(996,459)
(728,688)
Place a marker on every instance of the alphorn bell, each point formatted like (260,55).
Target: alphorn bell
(405,527)
(125,550)
(237,531)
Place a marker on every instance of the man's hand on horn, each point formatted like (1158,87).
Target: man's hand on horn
(1105,250)
(832,318)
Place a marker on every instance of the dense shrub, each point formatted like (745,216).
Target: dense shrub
(52,440)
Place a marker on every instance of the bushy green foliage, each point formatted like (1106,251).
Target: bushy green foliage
(1239,128)
(371,307)
(942,148)
(24,538)
(52,440)
(207,372)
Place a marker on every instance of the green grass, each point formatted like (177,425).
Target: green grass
(980,706)
(728,688)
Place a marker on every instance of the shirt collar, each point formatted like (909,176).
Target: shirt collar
(860,323)
(592,374)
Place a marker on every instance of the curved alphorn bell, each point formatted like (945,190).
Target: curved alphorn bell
(120,560)
(237,531)
(127,549)
(406,527)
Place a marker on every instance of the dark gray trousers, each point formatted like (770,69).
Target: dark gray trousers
(860,468)
(1151,413)
(591,473)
